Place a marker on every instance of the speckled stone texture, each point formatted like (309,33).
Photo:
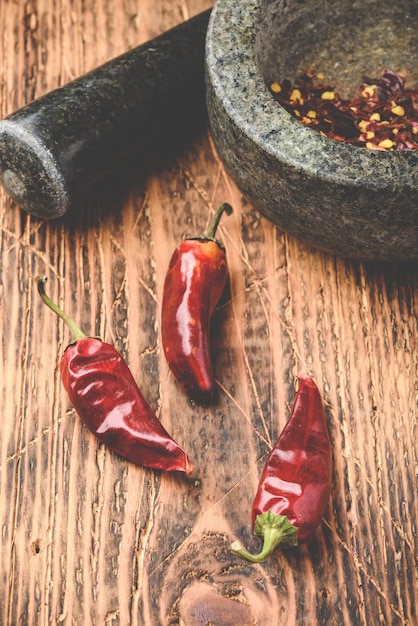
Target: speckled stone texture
(61,146)
(354,202)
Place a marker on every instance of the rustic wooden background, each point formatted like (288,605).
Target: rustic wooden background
(89,539)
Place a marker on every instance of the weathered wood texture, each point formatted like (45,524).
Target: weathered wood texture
(90,539)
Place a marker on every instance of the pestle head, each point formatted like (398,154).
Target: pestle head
(29,172)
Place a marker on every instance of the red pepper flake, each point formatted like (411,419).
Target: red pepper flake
(382,116)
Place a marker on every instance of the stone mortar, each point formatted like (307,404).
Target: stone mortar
(351,201)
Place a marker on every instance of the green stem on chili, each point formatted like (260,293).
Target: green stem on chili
(209,234)
(275,530)
(76,331)
(213,226)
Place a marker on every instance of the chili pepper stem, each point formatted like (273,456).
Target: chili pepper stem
(76,331)
(275,530)
(211,231)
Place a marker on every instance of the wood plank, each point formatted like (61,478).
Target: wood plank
(88,538)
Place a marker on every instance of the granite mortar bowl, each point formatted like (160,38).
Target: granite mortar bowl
(355,202)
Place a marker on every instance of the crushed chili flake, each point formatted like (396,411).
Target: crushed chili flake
(382,116)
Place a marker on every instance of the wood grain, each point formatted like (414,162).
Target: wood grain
(90,539)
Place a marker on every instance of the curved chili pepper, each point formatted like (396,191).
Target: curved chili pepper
(105,395)
(193,285)
(295,484)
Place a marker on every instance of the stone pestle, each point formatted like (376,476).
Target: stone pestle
(60,146)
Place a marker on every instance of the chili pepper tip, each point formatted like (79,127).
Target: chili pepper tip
(275,530)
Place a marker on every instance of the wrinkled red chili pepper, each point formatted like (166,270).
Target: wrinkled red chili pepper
(193,285)
(105,395)
(295,484)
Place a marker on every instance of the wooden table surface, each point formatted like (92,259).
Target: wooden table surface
(89,539)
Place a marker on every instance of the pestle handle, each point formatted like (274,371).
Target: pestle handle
(61,145)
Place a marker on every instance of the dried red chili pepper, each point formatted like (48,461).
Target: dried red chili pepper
(193,285)
(104,393)
(295,484)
